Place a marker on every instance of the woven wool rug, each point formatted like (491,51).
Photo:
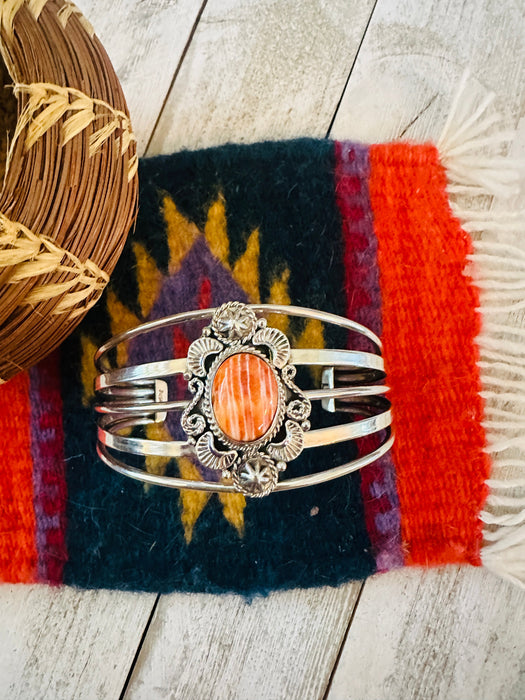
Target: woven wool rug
(374,233)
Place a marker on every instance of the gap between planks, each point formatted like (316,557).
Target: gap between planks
(163,123)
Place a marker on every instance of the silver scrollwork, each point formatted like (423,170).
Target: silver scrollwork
(299,409)
(193,423)
(253,465)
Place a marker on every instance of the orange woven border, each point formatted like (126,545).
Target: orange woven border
(430,324)
(18,554)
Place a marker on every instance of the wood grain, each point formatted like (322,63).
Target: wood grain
(275,70)
(413,56)
(64,643)
(145,40)
(282,646)
(262,71)
(437,634)
(455,634)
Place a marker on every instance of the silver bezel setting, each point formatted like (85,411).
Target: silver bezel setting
(207,406)
(252,466)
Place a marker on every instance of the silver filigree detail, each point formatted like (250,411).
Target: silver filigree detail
(277,342)
(288,375)
(256,476)
(292,445)
(211,457)
(299,409)
(234,321)
(193,423)
(253,466)
(198,351)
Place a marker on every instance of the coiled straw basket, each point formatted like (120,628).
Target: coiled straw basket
(70,186)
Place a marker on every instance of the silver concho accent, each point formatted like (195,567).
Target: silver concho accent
(233,321)
(277,342)
(199,351)
(253,466)
(211,457)
(256,477)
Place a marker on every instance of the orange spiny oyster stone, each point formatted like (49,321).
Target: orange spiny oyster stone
(245,397)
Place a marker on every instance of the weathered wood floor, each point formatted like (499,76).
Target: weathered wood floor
(202,73)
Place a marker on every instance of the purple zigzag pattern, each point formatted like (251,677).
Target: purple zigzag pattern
(179,293)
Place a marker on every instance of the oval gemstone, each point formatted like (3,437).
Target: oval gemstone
(244,396)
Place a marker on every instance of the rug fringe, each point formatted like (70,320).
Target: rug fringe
(471,149)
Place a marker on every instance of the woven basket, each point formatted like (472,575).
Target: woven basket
(70,187)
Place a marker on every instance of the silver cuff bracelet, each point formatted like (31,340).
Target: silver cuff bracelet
(246,418)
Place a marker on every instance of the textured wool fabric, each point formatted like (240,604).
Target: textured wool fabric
(229,223)
(364,232)
(47,449)
(17,517)
(423,288)
(363,304)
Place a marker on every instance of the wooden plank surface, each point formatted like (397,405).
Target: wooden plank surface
(262,70)
(444,634)
(145,40)
(282,646)
(272,70)
(413,57)
(63,643)
(455,634)
(60,644)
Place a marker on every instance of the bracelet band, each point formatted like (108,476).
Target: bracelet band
(246,418)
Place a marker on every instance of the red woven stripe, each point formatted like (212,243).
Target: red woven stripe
(18,555)
(429,329)
(363,304)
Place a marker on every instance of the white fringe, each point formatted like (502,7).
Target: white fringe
(471,148)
